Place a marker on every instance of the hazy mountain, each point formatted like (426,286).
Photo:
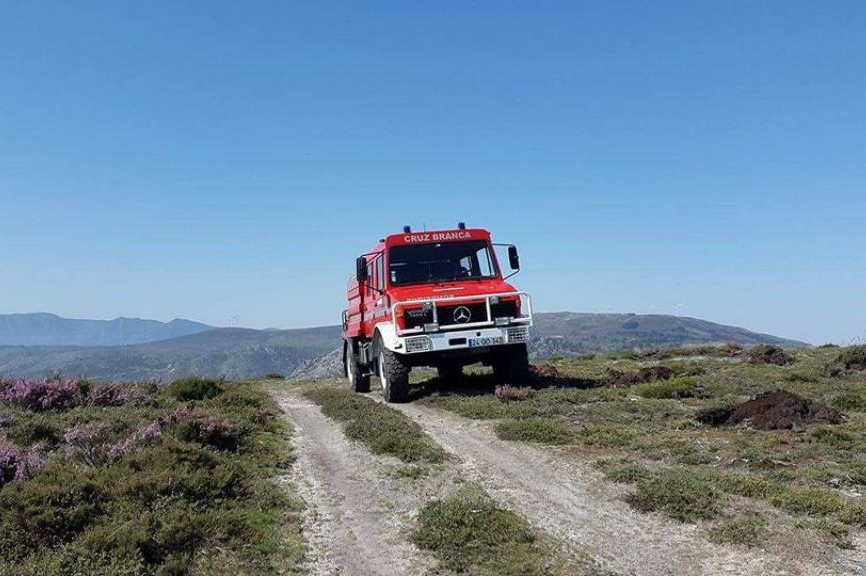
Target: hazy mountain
(42,329)
(570,333)
(231,352)
(313,352)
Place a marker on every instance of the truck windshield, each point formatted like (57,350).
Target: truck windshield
(443,262)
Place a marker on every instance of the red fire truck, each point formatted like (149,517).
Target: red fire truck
(435,299)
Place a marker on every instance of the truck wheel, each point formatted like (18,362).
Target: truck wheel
(450,373)
(358,381)
(394,374)
(511,364)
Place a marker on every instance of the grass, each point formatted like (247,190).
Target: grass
(469,534)
(381,428)
(646,430)
(180,502)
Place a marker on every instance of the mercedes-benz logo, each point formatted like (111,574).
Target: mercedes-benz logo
(462,314)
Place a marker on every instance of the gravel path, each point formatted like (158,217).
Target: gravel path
(571,501)
(358,514)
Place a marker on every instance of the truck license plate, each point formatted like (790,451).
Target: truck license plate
(486,341)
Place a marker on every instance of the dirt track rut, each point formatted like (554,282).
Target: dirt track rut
(357,514)
(570,500)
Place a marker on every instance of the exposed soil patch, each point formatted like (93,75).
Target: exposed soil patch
(850,360)
(775,410)
(618,379)
(767,354)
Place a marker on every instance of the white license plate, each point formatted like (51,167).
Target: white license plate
(486,341)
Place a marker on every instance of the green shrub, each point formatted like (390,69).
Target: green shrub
(623,471)
(381,428)
(745,530)
(195,388)
(542,430)
(666,389)
(469,534)
(812,501)
(679,494)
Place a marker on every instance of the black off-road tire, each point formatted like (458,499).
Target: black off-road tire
(511,365)
(450,373)
(394,375)
(358,380)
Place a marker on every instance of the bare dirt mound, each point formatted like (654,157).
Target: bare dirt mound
(850,360)
(618,379)
(777,410)
(768,354)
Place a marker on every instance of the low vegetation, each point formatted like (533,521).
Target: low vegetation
(470,534)
(719,436)
(146,480)
(381,428)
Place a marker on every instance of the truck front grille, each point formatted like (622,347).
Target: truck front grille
(455,314)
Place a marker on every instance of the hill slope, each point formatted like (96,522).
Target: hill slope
(569,333)
(42,329)
(311,352)
(235,353)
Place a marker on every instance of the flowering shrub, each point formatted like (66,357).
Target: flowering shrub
(91,442)
(88,442)
(39,395)
(108,395)
(205,429)
(6,421)
(146,436)
(17,465)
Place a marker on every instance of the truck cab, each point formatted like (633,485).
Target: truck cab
(437,299)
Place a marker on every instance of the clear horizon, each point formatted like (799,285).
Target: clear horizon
(226,163)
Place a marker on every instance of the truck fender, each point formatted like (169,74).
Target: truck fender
(388,336)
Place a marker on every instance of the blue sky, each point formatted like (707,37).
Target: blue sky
(225,161)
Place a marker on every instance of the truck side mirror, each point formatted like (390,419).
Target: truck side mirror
(361,269)
(513,258)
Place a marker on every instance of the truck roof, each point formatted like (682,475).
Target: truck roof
(425,237)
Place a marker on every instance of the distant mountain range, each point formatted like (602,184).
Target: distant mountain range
(239,353)
(43,329)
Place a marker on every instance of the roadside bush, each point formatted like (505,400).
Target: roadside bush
(469,534)
(751,530)
(195,388)
(668,389)
(542,430)
(679,494)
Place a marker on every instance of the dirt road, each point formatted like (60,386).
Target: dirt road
(571,501)
(358,513)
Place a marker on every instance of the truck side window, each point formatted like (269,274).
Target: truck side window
(380,273)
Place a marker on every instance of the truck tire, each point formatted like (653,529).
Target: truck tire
(394,375)
(358,380)
(450,373)
(511,365)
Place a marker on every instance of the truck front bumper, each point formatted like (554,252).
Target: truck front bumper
(474,338)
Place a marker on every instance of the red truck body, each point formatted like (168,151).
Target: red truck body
(434,298)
